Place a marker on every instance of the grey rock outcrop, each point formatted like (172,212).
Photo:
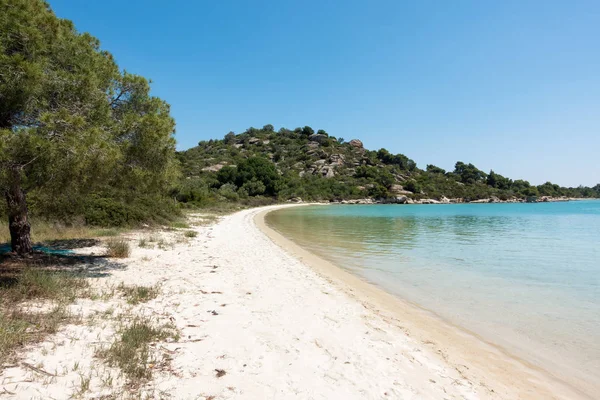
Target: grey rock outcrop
(356,144)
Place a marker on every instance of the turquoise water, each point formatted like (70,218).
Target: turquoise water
(524,276)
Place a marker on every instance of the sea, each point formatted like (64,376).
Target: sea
(523,276)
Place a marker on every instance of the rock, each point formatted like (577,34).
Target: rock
(253,140)
(296,200)
(480,201)
(216,167)
(444,200)
(330,173)
(318,138)
(429,201)
(337,159)
(396,200)
(356,143)
(399,189)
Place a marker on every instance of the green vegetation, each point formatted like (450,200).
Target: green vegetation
(131,351)
(138,294)
(19,326)
(79,136)
(83,143)
(191,234)
(260,166)
(118,248)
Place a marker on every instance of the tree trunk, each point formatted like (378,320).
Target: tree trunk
(18,224)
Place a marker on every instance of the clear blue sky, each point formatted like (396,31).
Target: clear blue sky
(508,85)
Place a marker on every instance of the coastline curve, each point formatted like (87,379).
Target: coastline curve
(484,364)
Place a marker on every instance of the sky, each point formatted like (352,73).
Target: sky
(512,86)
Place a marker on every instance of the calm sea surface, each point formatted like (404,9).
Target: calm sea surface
(524,276)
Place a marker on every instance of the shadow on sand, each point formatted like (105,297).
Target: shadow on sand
(61,259)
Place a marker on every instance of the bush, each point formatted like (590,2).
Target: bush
(229,191)
(412,186)
(254,187)
(117,248)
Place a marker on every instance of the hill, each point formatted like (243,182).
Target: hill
(262,165)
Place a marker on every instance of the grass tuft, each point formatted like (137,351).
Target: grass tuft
(108,232)
(179,225)
(117,248)
(33,283)
(131,351)
(191,234)
(139,294)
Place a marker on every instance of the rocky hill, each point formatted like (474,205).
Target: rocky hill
(299,163)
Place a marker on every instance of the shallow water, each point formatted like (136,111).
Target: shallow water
(524,276)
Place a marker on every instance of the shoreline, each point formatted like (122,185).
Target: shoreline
(257,318)
(470,354)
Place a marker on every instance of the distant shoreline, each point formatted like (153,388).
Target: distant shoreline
(486,362)
(403,200)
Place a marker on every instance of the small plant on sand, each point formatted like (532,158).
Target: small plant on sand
(163,244)
(18,326)
(190,234)
(131,351)
(143,243)
(139,294)
(117,248)
(33,283)
(179,225)
(152,239)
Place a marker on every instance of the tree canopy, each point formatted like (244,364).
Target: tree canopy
(71,122)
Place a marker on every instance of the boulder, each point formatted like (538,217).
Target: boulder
(337,159)
(397,200)
(328,172)
(356,143)
(399,189)
(215,168)
(318,138)
(429,201)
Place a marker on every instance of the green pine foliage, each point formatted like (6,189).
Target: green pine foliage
(80,136)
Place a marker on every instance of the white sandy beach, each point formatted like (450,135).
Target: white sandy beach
(282,324)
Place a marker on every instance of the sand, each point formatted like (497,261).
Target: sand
(280,322)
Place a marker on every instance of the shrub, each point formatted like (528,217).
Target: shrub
(229,191)
(117,248)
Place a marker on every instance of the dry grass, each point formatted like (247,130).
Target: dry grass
(19,326)
(33,283)
(190,234)
(182,224)
(118,248)
(138,294)
(45,231)
(131,350)
(42,231)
